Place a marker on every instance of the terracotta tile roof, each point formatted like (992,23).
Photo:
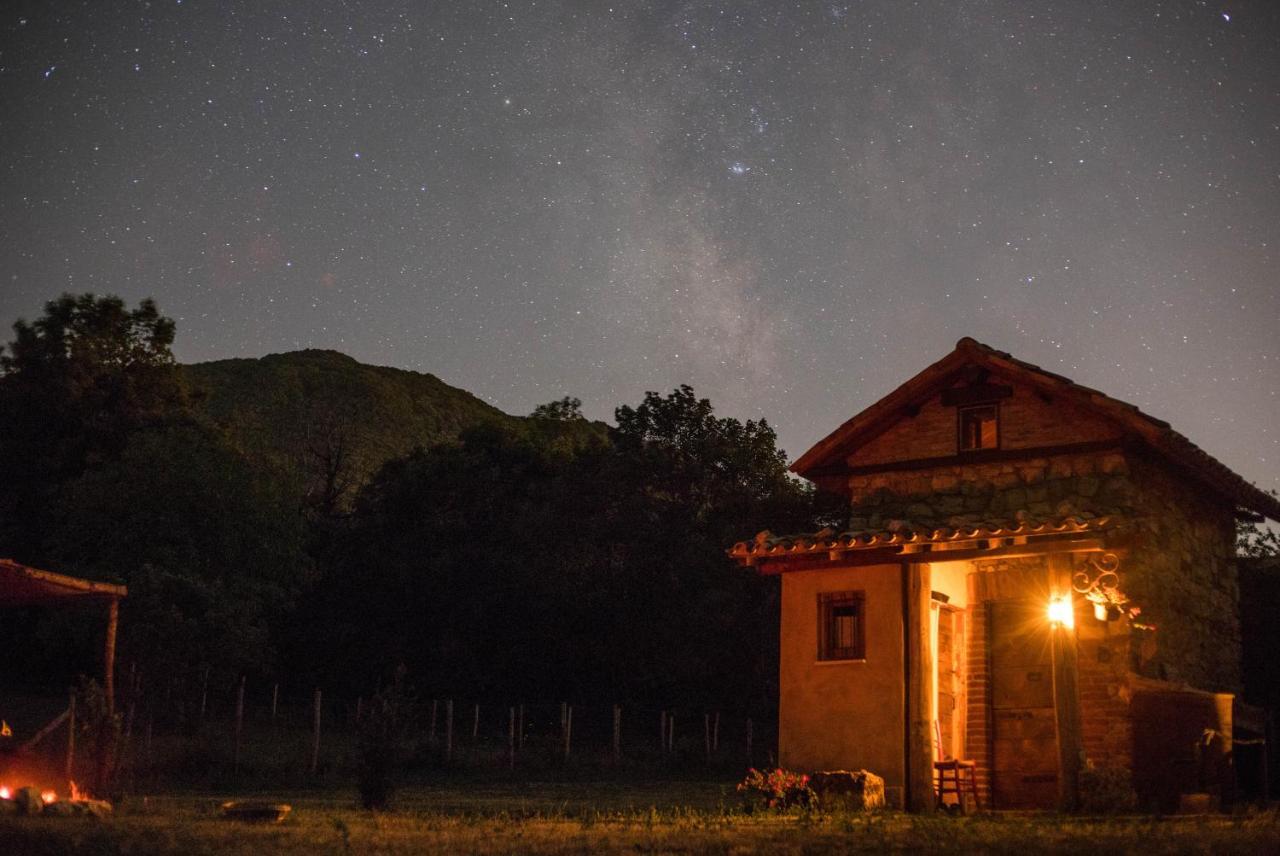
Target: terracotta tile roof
(903,532)
(1153,433)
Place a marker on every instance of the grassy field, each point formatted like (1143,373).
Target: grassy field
(658,817)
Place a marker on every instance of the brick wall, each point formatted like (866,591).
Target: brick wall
(1026,421)
(1102,657)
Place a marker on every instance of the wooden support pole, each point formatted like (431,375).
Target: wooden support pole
(917,635)
(1066,704)
(475,726)
(617,733)
(71,737)
(109,654)
(1066,688)
(435,707)
(448,730)
(275,699)
(511,738)
(235,762)
(315,732)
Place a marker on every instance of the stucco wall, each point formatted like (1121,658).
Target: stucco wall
(842,715)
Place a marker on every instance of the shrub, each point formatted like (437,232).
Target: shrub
(1106,790)
(382,744)
(777,789)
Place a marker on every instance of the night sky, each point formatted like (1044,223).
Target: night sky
(791,206)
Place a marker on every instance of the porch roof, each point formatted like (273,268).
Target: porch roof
(905,534)
(22,586)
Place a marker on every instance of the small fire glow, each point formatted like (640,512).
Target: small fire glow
(5,793)
(76,793)
(47,797)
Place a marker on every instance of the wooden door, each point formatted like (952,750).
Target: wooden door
(1024,764)
(947,663)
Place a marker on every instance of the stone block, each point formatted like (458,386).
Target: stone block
(857,790)
(1014,499)
(1060,468)
(943,482)
(1087,486)
(28,800)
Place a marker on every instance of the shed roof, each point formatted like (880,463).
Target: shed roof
(830,452)
(23,586)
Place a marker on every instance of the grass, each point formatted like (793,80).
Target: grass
(563,818)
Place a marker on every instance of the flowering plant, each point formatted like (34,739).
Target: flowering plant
(777,789)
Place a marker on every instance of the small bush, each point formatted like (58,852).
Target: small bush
(1106,790)
(382,744)
(777,789)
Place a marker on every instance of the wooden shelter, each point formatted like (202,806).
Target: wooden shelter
(24,586)
(1033,574)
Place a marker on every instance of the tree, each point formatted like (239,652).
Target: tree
(567,409)
(74,384)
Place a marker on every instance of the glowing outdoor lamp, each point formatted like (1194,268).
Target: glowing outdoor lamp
(1061,613)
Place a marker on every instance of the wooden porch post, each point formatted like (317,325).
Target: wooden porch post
(109,654)
(1066,705)
(919,687)
(1066,690)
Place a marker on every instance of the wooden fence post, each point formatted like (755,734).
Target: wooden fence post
(475,726)
(315,740)
(567,723)
(511,738)
(617,733)
(715,733)
(71,737)
(204,693)
(435,706)
(448,730)
(671,733)
(520,728)
(275,699)
(706,735)
(235,762)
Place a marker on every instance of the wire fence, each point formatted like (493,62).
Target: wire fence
(248,734)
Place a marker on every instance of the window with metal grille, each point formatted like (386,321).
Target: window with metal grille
(841,631)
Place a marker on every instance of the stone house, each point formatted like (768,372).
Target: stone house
(1034,577)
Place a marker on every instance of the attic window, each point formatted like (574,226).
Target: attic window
(979,427)
(840,626)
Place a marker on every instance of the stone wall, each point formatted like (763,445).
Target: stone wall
(1181,570)
(1085,484)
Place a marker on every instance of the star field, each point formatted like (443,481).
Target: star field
(791,206)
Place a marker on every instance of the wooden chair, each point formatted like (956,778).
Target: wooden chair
(952,776)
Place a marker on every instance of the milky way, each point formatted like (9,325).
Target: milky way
(791,206)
